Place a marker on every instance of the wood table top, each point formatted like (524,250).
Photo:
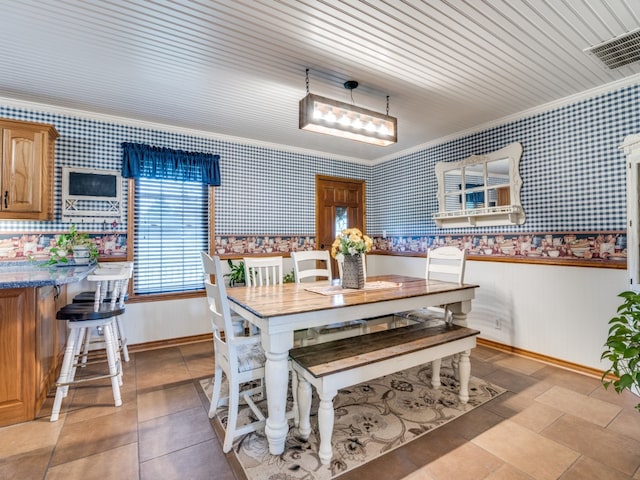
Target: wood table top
(292,298)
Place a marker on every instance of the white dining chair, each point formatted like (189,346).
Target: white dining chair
(259,271)
(240,325)
(240,359)
(316,265)
(444,264)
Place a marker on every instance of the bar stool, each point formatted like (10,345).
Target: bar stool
(81,318)
(88,296)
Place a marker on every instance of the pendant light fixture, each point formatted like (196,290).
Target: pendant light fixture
(324,115)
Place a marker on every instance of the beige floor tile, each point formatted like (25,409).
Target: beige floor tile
(174,432)
(537,416)
(27,465)
(627,423)
(564,378)
(527,451)
(29,436)
(166,401)
(89,437)
(465,462)
(508,472)
(200,461)
(590,409)
(167,374)
(95,399)
(625,399)
(420,474)
(488,354)
(116,464)
(520,364)
(587,468)
(511,380)
(600,444)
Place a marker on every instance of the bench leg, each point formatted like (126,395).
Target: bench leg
(435,373)
(304,406)
(325,425)
(464,371)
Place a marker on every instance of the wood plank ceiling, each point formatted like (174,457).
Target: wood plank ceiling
(236,68)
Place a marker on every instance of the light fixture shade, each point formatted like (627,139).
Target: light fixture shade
(324,115)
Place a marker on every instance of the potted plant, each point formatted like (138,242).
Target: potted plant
(623,347)
(236,274)
(75,244)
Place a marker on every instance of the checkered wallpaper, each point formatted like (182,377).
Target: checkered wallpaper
(572,169)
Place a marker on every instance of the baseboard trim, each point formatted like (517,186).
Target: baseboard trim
(169,342)
(574,367)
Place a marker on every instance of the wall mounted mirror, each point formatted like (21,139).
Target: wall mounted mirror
(481,190)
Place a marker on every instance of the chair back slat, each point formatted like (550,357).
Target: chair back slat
(446,264)
(263,271)
(311,264)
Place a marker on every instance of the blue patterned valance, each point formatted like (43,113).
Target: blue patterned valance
(139,160)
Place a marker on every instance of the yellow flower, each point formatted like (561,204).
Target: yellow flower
(351,241)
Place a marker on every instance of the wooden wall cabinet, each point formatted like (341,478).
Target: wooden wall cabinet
(27,170)
(31,346)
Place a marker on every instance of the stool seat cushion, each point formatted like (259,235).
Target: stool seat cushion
(76,312)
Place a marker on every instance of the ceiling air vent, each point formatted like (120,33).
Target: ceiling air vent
(619,51)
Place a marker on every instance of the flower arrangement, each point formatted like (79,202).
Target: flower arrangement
(350,241)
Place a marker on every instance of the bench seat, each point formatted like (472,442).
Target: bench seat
(333,365)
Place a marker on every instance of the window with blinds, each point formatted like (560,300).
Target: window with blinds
(171,229)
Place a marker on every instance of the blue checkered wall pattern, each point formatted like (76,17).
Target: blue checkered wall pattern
(572,169)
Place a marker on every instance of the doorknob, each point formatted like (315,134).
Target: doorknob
(6,199)
(322,246)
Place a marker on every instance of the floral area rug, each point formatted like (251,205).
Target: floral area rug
(371,419)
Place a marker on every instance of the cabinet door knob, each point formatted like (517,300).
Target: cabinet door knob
(6,199)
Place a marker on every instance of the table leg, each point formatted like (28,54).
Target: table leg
(277,380)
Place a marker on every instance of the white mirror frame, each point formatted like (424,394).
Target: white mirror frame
(511,214)
(631,147)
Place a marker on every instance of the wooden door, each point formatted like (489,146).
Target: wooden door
(340,203)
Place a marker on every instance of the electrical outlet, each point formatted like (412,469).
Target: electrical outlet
(498,324)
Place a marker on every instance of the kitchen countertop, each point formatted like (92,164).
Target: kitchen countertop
(26,274)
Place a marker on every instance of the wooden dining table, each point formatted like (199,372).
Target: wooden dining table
(279,310)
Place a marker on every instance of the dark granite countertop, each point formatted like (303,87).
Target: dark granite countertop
(26,274)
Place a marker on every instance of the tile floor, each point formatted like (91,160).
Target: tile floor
(552,424)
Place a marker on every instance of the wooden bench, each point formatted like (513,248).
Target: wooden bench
(333,365)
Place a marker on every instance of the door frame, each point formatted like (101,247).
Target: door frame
(363,201)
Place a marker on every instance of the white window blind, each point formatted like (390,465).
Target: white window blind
(171,229)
